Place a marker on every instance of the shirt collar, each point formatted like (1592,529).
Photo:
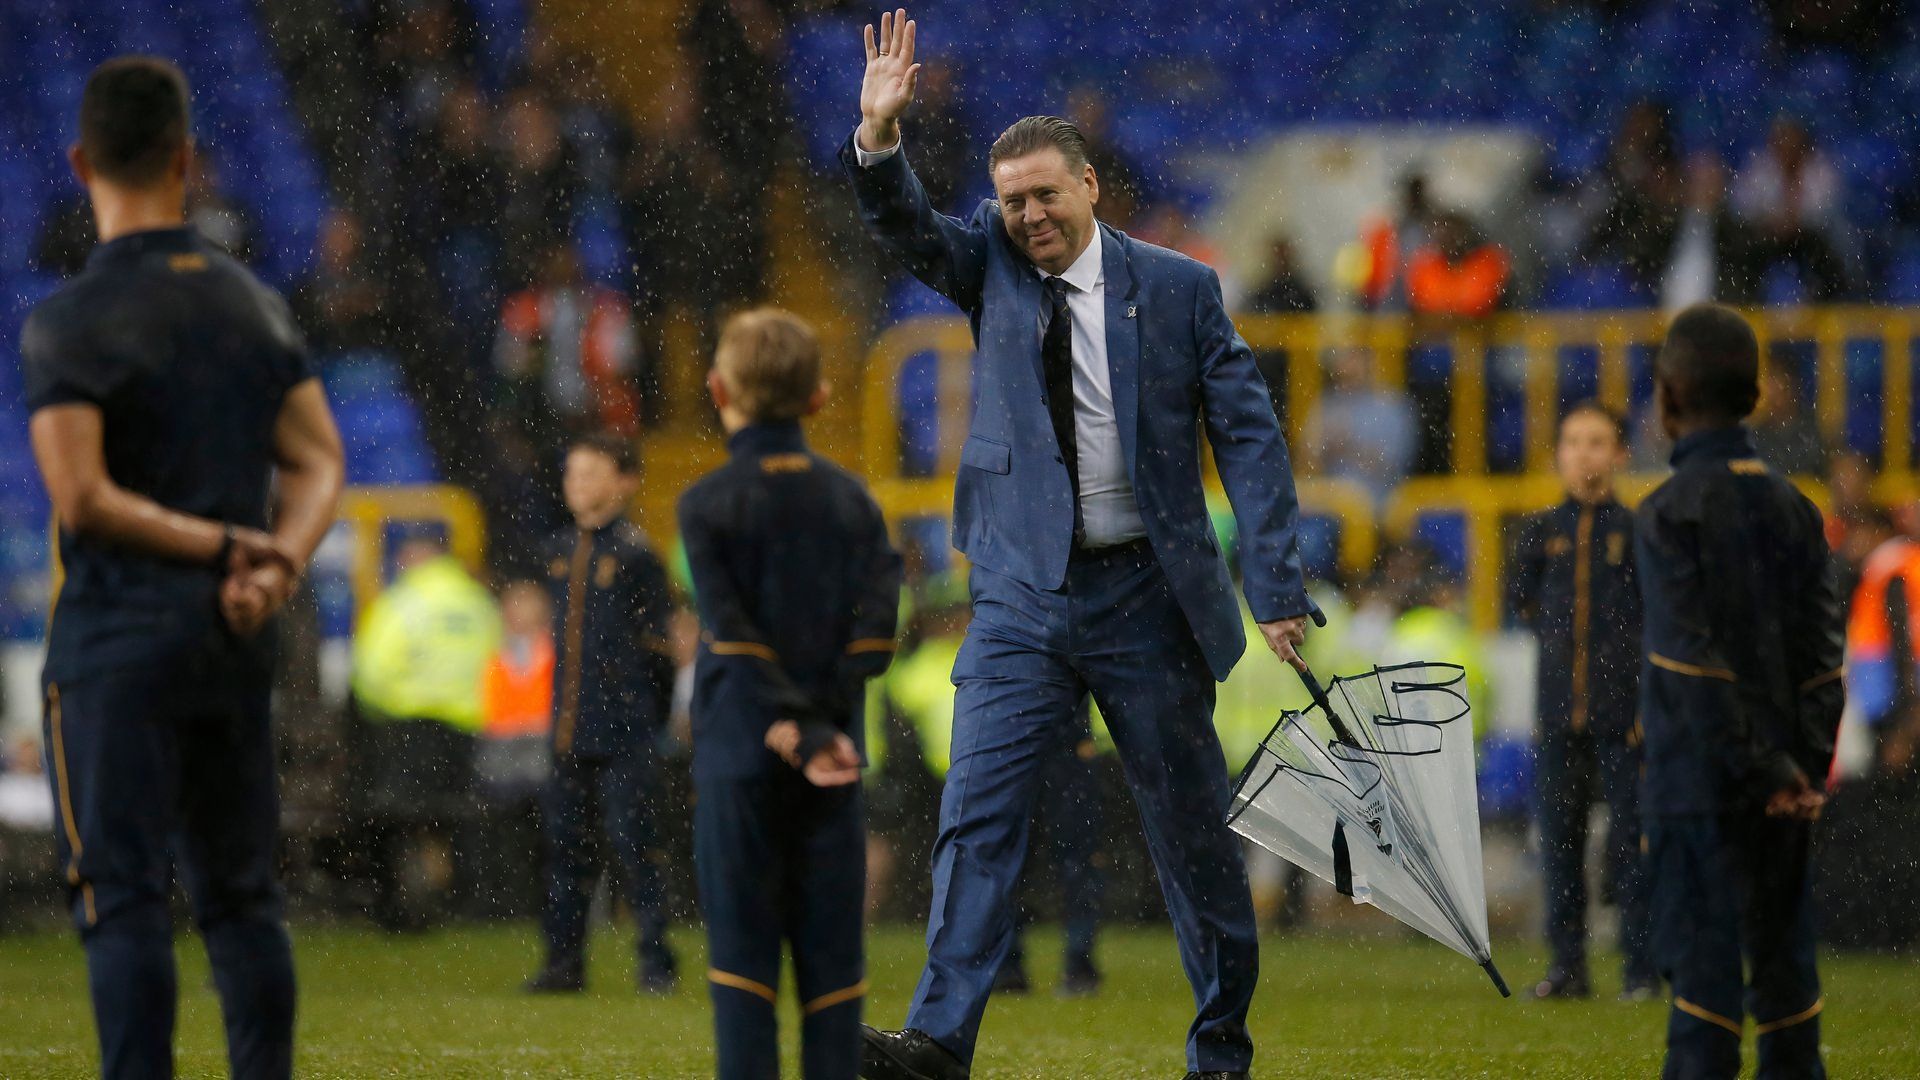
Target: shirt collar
(1088,271)
(1722,444)
(179,238)
(771,437)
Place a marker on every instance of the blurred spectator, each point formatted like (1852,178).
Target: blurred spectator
(735,51)
(565,354)
(918,694)
(1785,430)
(1455,283)
(341,305)
(1388,238)
(1882,651)
(537,187)
(419,653)
(419,58)
(513,760)
(517,694)
(1283,292)
(684,209)
(1705,251)
(1791,195)
(461,187)
(1850,500)
(597,137)
(944,157)
(1630,204)
(218,217)
(66,238)
(26,802)
(1431,629)
(1122,184)
(1359,430)
(1863,532)
(1459,273)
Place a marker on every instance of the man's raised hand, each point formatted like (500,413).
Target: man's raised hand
(891,77)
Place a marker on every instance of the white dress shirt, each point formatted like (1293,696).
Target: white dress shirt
(1109,513)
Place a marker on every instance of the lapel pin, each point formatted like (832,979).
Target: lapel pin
(1132,310)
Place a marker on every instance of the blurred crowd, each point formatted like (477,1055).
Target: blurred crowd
(531,256)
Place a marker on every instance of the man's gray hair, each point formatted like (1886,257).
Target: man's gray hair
(1031,133)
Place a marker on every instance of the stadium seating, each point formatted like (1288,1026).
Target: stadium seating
(243,115)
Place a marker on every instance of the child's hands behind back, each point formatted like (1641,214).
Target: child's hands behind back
(827,758)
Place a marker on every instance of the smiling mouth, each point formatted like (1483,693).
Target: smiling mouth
(1034,238)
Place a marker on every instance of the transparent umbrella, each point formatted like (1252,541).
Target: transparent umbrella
(1371,788)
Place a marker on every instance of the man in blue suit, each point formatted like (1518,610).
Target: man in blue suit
(1095,567)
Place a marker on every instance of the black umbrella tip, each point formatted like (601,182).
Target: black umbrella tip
(1493,973)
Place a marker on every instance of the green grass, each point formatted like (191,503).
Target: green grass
(446,1004)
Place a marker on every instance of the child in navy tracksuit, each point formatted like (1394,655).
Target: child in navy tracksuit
(798,591)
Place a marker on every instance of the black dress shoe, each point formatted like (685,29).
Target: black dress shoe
(1217,1075)
(1560,985)
(556,980)
(906,1055)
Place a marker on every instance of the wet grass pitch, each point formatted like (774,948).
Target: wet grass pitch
(448,1004)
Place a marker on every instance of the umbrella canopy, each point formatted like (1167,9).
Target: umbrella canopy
(1371,789)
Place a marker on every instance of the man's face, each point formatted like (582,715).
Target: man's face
(593,485)
(1047,207)
(1589,451)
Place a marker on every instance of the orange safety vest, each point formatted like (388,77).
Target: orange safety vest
(519,700)
(1470,288)
(1873,679)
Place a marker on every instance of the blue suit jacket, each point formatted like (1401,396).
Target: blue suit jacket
(1175,360)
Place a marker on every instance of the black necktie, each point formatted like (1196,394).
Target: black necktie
(1056,363)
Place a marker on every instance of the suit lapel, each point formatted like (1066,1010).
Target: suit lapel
(1123,341)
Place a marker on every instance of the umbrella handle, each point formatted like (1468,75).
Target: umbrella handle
(1319,695)
(1493,973)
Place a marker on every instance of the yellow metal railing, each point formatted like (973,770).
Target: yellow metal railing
(368,511)
(1538,339)
(1484,503)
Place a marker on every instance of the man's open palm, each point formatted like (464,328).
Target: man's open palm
(891,77)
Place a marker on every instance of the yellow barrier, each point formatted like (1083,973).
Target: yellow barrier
(1484,502)
(1539,339)
(368,510)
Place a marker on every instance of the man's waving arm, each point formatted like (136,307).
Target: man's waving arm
(949,255)
(1252,457)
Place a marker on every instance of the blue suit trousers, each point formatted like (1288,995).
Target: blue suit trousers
(1115,630)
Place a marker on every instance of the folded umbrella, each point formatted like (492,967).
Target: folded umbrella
(1371,789)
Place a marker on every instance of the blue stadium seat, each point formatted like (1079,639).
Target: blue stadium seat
(1592,287)
(1505,776)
